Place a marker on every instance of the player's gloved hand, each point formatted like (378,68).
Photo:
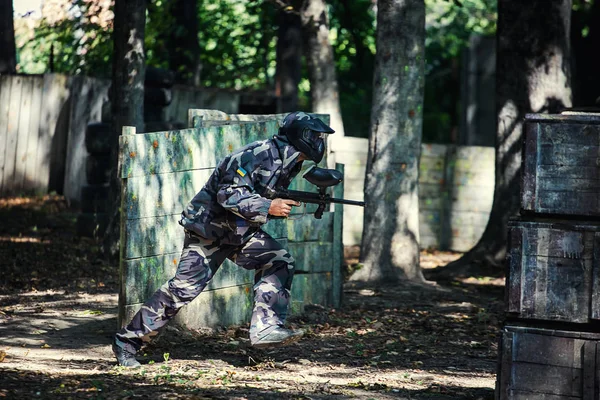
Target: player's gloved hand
(282,207)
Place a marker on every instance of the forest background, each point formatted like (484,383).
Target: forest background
(236,49)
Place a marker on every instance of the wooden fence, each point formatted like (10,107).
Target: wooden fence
(33,124)
(43,120)
(161,172)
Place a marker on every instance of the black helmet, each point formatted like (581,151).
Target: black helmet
(305,134)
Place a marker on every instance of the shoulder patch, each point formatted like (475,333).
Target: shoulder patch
(241,171)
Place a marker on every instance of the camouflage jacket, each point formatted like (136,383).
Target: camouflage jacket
(231,206)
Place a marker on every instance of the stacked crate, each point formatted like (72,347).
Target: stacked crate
(549,344)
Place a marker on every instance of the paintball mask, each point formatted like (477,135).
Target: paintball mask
(306,134)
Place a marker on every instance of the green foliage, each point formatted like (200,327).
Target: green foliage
(81,41)
(237,42)
(237,49)
(449,26)
(353,39)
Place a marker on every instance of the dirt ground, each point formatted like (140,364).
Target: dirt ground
(58,307)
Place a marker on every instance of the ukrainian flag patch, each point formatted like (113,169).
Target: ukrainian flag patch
(241,171)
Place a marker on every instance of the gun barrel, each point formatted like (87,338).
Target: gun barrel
(348,202)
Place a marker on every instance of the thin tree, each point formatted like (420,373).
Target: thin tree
(8,52)
(390,242)
(533,76)
(182,42)
(324,91)
(289,59)
(127,96)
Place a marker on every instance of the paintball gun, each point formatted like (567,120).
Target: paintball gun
(321,178)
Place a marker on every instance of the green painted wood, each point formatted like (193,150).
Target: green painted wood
(311,289)
(212,116)
(155,271)
(432,196)
(212,308)
(162,171)
(216,308)
(168,193)
(312,256)
(162,152)
(152,236)
(162,194)
(309,229)
(163,235)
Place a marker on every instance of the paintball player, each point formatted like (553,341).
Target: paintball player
(224,220)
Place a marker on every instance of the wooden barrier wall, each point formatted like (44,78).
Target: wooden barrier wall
(161,172)
(456,189)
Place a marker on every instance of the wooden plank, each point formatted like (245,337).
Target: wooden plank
(163,235)
(162,194)
(165,194)
(312,256)
(53,131)
(466,222)
(212,308)
(559,381)
(32,169)
(568,154)
(309,229)
(143,276)
(152,236)
(14,113)
(561,243)
(5,93)
(595,300)
(514,279)
(505,363)
(25,116)
(589,370)
(526,395)
(216,115)
(433,150)
(568,202)
(569,184)
(569,134)
(311,289)
(163,152)
(556,289)
(533,348)
(567,171)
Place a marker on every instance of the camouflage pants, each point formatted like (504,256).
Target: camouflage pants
(200,260)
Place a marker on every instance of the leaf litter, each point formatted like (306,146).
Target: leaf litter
(58,307)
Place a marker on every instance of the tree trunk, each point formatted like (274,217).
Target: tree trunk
(289,60)
(321,63)
(390,244)
(533,75)
(127,94)
(182,42)
(8,52)
(586,80)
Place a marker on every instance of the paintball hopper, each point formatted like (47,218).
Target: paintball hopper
(322,177)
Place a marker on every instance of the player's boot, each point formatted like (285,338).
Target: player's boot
(125,358)
(279,337)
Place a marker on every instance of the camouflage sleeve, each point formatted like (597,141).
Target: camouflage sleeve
(236,188)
